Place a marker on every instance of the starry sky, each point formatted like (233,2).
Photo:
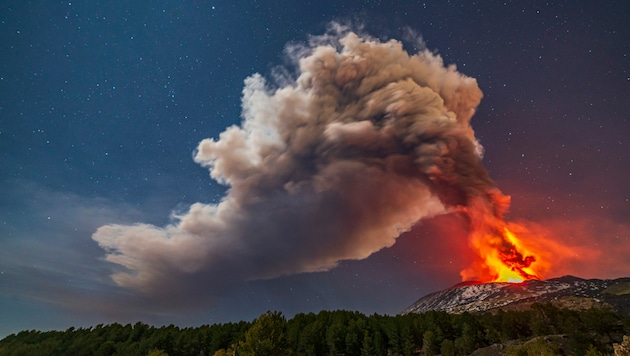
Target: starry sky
(102,107)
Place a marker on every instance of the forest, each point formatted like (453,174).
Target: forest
(586,332)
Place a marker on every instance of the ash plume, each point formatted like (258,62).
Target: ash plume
(334,165)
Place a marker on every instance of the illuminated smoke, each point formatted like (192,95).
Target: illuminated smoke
(332,166)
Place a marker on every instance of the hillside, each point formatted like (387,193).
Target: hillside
(566,292)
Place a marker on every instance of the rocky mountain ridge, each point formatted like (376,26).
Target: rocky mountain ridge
(568,291)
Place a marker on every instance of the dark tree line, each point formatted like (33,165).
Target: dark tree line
(340,333)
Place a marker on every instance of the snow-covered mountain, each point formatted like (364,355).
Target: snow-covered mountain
(567,291)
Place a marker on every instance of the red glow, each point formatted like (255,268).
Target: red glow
(504,257)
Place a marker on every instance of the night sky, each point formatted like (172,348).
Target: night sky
(103,106)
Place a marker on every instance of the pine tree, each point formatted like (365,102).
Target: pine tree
(266,336)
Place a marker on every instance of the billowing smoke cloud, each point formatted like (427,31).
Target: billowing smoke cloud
(335,165)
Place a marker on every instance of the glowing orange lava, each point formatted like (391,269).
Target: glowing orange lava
(503,257)
(513,263)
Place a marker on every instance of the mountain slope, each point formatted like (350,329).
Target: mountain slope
(568,291)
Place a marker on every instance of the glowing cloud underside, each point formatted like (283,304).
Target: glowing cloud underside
(332,166)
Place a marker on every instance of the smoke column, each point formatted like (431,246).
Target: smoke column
(334,165)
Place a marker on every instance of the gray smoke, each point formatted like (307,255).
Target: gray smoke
(331,166)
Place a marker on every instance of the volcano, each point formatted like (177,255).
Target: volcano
(566,292)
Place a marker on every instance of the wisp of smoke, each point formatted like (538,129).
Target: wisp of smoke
(334,165)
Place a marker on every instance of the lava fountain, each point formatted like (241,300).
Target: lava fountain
(502,255)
